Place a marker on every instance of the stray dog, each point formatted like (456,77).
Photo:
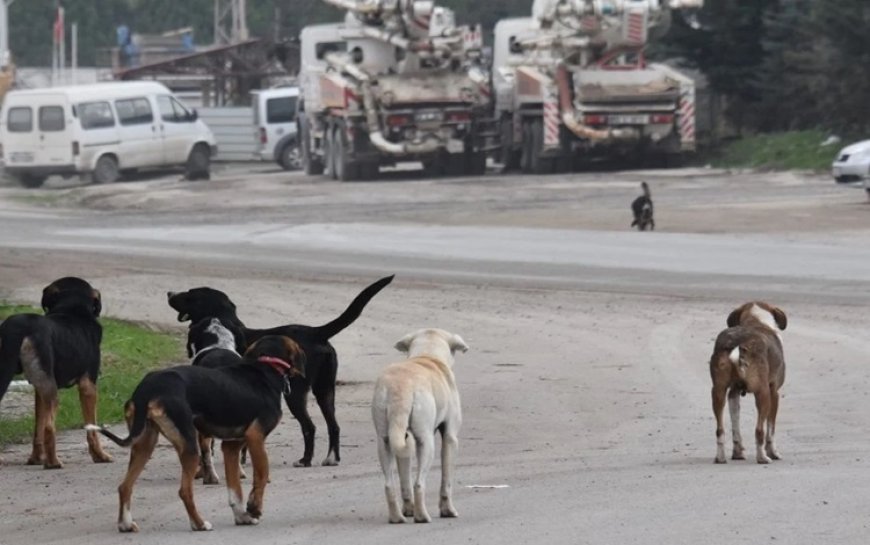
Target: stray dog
(211,345)
(642,208)
(240,404)
(418,397)
(322,362)
(748,358)
(58,350)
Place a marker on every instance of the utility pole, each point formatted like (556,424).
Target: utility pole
(5,55)
(230,21)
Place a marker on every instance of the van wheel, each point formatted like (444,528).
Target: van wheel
(290,159)
(198,163)
(30,181)
(106,171)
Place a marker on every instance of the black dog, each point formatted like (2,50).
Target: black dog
(642,208)
(58,350)
(211,345)
(322,362)
(240,404)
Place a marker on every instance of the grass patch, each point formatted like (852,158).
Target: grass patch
(129,351)
(799,150)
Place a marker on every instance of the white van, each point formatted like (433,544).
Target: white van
(275,125)
(103,130)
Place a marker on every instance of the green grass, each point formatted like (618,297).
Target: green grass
(799,150)
(129,351)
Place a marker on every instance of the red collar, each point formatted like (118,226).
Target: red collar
(275,363)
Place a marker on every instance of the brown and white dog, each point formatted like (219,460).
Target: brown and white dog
(748,358)
(414,399)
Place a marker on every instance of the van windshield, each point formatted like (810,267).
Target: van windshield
(281,110)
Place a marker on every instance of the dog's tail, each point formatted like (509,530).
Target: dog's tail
(645,187)
(9,363)
(353,311)
(138,425)
(738,361)
(399,419)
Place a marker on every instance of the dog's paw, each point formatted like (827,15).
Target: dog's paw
(126,528)
(399,519)
(34,460)
(246,519)
(738,455)
(773,453)
(54,464)
(720,460)
(449,512)
(211,478)
(254,511)
(330,461)
(408,508)
(422,518)
(205,527)
(762,459)
(302,463)
(102,458)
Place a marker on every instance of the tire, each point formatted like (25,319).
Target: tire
(106,171)
(290,157)
(475,163)
(345,169)
(198,165)
(508,157)
(526,148)
(30,181)
(328,155)
(310,164)
(538,164)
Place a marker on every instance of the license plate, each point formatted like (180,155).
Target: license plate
(628,119)
(21,157)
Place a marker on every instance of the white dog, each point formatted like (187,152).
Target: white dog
(417,397)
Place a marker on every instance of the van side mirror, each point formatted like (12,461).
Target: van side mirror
(193,116)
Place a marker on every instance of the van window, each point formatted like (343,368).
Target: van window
(96,115)
(281,110)
(51,119)
(321,49)
(171,110)
(134,111)
(20,119)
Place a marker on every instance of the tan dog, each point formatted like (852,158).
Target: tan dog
(748,358)
(419,396)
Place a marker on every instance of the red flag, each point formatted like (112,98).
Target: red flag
(58,25)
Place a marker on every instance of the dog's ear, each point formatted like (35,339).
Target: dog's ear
(49,295)
(404,344)
(779,317)
(456,343)
(297,355)
(734,317)
(98,302)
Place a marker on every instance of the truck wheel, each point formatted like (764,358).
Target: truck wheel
(526,148)
(289,158)
(475,163)
(346,170)
(30,181)
(310,163)
(508,156)
(106,171)
(198,165)
(328,155)
(538,164)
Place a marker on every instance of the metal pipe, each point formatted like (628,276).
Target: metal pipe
(569,114)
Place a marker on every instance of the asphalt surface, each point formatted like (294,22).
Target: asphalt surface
(586,391)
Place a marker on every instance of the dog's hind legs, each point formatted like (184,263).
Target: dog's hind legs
(762,403)
(386,458)
(88,400)
(256,441)
(425,455)
(718,395)
(326,402)
(230,450)
(206,457)
(734,409)
(404,465)
(140,453)
(37,452)
(298,405)
(770,445)
(449,445)
(189,462)
(49,406)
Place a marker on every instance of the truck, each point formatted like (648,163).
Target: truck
(572,83)
(397,81)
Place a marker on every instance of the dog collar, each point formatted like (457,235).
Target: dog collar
(275,363)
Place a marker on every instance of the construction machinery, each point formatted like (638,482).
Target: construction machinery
(397,81)
(572,83)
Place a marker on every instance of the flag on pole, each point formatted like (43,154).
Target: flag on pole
(59,25)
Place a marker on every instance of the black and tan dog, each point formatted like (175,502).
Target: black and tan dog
(748,358)
(58,350)
(642,209)
(240,404)
(322,362)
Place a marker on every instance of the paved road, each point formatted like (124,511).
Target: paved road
(586,390)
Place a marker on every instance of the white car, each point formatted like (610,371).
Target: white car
(275,125)
(853,164)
